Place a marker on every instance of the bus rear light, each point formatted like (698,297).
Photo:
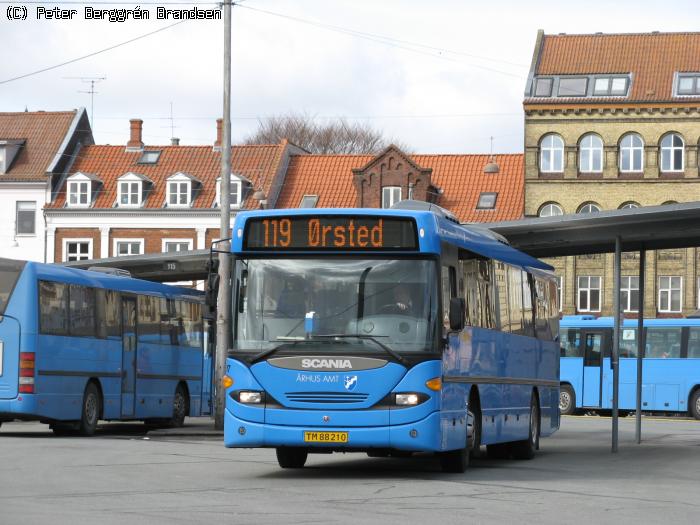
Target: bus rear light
(27,364)
(26,372)
(26,385)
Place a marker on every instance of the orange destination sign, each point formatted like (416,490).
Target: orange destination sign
(336,233)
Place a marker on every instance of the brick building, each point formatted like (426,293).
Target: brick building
(613,121)
(136,198)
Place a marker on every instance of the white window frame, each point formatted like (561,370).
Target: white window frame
(115,246)
(548,149)
(668,307)
(549,206)
(75,188)
(629,205)
(18,206)
(560,290)
(391,195)
(234,181)
(589,205)
(130,193)
(167,240)
(309,196)
(632,148)
(588,288)
(76,240)
(590,149)
(626,286)
(670,150)
(178,193)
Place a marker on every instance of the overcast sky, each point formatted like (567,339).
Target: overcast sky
(439,76)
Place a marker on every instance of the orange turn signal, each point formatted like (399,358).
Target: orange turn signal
(434,384)
(226,381)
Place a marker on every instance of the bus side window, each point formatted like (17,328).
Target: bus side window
(82,310)
(148,319)
(694,343)
(515,300)
(53,308)
(500,276)
(663,342)
(570,343)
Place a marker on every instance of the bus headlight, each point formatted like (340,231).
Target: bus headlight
(410,399)
(250,397)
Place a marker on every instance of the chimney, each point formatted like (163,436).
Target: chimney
(135,140)
(219,134)
(174,141)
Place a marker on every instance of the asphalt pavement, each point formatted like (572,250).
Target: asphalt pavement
(127,475)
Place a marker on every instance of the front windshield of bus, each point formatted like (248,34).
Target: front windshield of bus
(298,303)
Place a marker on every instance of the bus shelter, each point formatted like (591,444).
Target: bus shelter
(640,229)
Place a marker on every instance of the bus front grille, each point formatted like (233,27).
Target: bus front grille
(326,397)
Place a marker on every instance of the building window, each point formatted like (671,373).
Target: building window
(552,154)
(610,86)
(179,193)
(149,157)
(487,201)
(632,153)
(551,209)
(589,207)
(390,196)
(560,291)
(79,193)
(129,194)
(573,87)
(688,84)
(235,193)
(124,247)
(308,201)
(629,294)
(26,218)
(176,245)
(590,158)
(543,87)
(670,294)
(77,249)
(629,205)
(589,287)
(672,149)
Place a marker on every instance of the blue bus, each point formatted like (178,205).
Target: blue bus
(670,368)
(387,332)
(78,346)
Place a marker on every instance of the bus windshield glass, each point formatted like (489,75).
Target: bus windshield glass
(298,303)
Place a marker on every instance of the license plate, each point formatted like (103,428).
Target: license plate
(325,437)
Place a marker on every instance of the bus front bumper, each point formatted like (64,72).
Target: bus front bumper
(423,435)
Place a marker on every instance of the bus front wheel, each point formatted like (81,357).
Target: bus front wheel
(695,404)
(567,400)
(291,457)
(91,410)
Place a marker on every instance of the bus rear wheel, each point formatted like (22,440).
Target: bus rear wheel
(567,400)
(90,411)
(291,457)
(695,404)
(526,448)
(179,408)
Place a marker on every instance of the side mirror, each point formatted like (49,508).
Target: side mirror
(457,309)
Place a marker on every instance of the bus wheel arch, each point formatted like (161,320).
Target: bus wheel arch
(91,407)
(694,402)
(475,410)
(567,399)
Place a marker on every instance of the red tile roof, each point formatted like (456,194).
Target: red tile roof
(43,133)
(461,177)
(258,164)
(652,58)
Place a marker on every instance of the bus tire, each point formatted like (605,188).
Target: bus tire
(455,461)
(567,400)
(179,408)
(526,448)
(475,409)
(291,457)
(694,404)
(90,413)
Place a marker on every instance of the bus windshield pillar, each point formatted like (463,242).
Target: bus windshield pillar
(640,345)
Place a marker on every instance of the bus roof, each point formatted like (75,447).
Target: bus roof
(433,227)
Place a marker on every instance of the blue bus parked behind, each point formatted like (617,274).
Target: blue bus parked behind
(78,346)
(670,368)
(388,332)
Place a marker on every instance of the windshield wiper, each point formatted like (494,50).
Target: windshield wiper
(367,337)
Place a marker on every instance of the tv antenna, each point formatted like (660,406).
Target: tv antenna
(92,81)
(174,141)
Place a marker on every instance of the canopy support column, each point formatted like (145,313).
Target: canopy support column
(640,344)
(615,357)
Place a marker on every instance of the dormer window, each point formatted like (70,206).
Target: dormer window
(79,193)
(236,192)
(180,190)
(149,157)
(129,193)
(688,84)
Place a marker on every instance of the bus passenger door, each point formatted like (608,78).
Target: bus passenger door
(592,366)
(128,356)
(207,366)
